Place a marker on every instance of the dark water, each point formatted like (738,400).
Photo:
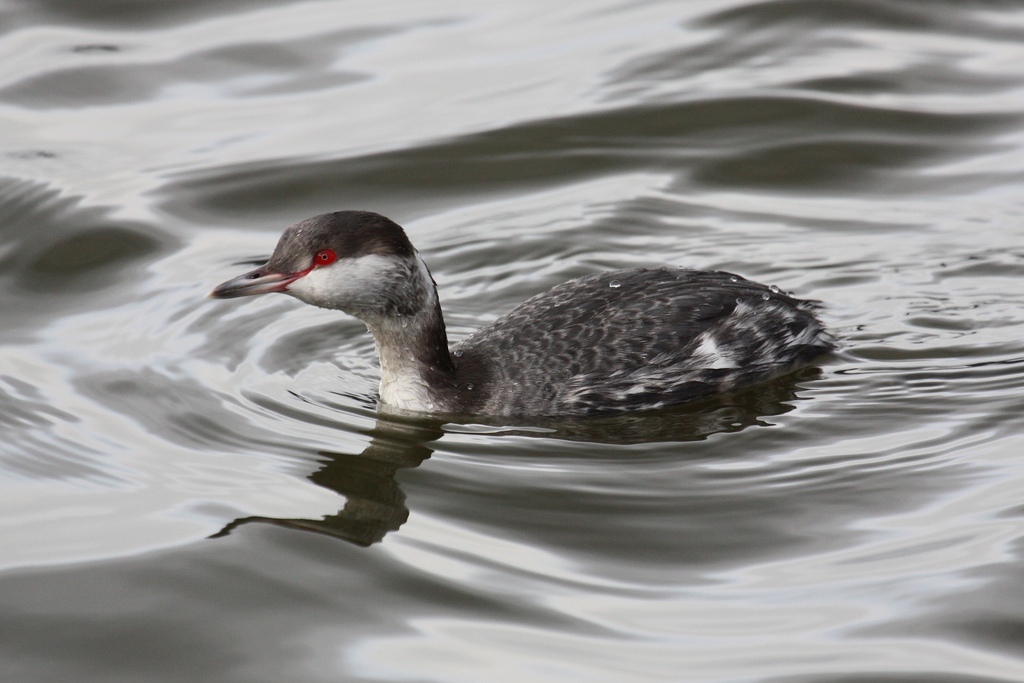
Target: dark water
(205,491)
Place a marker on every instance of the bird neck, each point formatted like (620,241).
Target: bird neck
(415,365)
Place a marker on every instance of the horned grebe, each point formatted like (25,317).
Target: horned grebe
(616,341)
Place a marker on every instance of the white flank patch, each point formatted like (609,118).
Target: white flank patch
(710,350)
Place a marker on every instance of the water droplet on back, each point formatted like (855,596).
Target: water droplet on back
(614,284)
(765,297)
(775,289)
(458,353)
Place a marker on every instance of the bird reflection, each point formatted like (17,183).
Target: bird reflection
(376,505)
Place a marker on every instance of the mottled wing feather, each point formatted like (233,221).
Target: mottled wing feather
(635,339)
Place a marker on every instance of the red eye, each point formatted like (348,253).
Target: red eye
(324,257)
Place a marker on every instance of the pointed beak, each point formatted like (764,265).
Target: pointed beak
(259,281)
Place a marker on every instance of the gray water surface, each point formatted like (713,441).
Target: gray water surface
(194,490)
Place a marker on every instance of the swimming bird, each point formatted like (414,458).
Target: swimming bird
(611,342)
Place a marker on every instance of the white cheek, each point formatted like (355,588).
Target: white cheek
(347,284)
(327,282)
